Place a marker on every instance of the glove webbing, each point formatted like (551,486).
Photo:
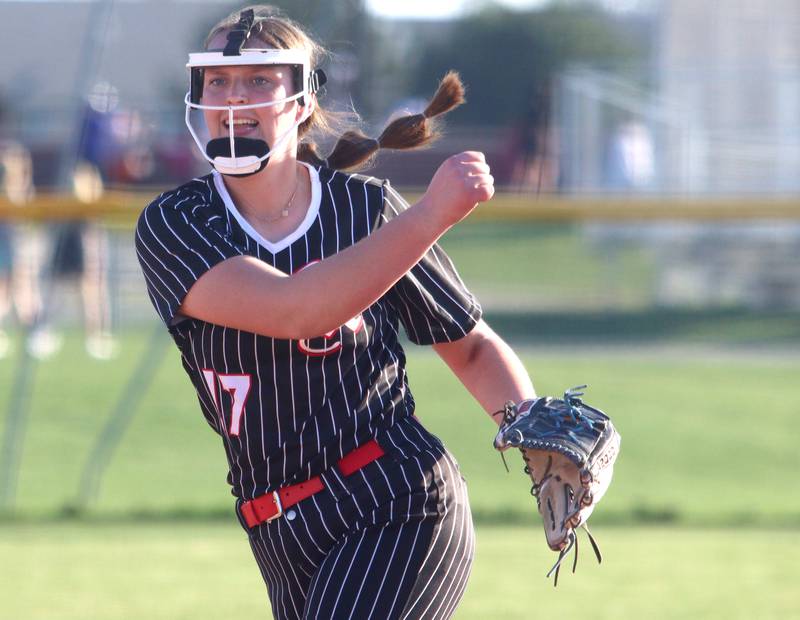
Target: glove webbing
(573,542)
(509,415)
(572,536)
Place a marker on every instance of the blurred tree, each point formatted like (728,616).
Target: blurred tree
(508,58)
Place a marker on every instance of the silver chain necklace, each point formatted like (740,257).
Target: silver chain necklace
(284,212)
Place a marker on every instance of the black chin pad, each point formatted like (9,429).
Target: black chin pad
(221,147)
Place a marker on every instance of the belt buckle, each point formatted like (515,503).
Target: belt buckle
(277,499)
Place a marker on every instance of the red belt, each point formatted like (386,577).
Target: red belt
(271,505)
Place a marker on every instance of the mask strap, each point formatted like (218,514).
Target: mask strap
(239,34)
(231,130)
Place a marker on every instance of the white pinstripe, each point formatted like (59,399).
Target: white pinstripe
(308,519)
(330,572)
(438,564)
(294,439)
(410,554)
(322,518)
(365,328)
(279,586)
(291,361)
(453,285)
(151,288)
(447,578)
(156,274)
(156,238)
(432,545)
(392,555)
(349,568)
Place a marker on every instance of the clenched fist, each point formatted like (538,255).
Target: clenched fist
(459,184)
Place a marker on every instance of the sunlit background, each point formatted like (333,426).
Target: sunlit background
(645,239)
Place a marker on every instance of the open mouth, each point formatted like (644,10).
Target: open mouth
(241,125)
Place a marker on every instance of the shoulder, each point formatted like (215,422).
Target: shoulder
(352,181)
(198,199)
(198,192)
(372,200)
(195,202)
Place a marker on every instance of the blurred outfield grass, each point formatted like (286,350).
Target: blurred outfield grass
(705,440)
(546,283)
(702,520)
(518,264)
(204,571)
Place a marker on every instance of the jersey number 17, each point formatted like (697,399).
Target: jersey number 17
(238,386)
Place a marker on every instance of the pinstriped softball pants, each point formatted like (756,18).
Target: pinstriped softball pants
(393,540)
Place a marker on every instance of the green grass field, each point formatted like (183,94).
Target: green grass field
(702,521)
(199,571)
(706,441)
(547,264)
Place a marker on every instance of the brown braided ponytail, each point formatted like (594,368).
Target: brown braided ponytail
(353,150)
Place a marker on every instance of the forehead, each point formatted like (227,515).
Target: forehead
(276,70)
(219,40)
(218,43)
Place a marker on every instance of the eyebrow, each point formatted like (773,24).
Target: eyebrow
(248,68)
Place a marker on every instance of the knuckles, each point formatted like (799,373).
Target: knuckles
(462,181)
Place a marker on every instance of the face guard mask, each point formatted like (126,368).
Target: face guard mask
(239,155)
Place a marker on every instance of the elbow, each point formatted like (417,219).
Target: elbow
(475,349)
(302,326)
(292,329)
(296,323)
(465,353)
(306,323)
(302,316)
(290,316)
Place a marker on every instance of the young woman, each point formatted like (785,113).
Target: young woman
(283,281)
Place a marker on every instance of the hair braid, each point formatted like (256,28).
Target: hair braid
(354,149)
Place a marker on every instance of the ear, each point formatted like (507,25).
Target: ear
(309,107)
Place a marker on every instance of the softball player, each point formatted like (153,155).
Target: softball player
(284,281)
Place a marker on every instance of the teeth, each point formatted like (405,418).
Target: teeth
(242,121)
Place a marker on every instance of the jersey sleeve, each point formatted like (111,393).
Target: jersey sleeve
(174,249)
(432,302)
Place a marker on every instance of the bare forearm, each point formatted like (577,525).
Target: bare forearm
(356,277)
(489,369)
(496,377)
(246,293)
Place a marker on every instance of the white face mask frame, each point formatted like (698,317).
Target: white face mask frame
(311,81)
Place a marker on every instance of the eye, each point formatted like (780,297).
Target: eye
(260,80)
(216,81)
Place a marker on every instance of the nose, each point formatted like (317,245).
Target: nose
(237,94)
(236,98)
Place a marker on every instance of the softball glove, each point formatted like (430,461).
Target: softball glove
(569,449)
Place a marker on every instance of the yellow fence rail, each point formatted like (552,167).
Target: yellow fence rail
(122,207)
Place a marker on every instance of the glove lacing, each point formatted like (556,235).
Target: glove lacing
(510,414)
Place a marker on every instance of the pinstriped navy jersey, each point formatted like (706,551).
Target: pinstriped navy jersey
(289,409)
